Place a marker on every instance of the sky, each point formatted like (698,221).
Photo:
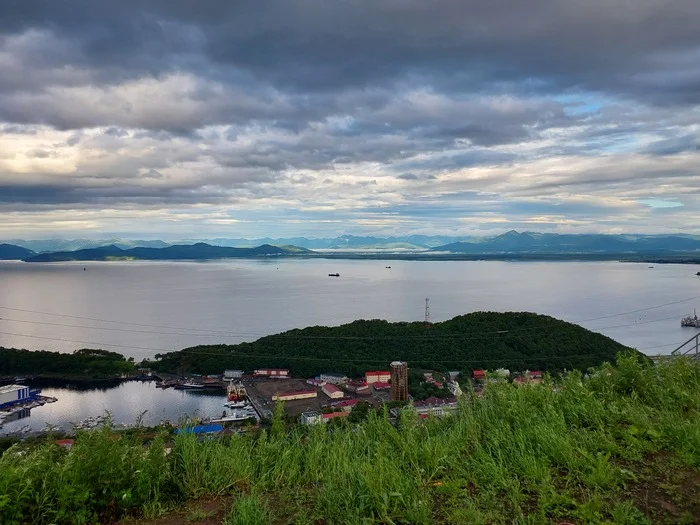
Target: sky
(182,119)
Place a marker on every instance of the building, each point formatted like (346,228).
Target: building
(399,381)
(454,374)
(332,391)
(315,382)
(233,374)
(277,373)
(334,415)
(336,379)
(293,396)
(380,385)
(436,406)
(15,394)
(479,375)
(311,418)
(346,405)
(359,387)
(377,376)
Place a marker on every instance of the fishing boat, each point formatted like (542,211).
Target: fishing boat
(236,392)
(691,320)
(333,275)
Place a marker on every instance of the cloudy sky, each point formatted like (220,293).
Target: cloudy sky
(175,118)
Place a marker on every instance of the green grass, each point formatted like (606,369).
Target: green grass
(586,451)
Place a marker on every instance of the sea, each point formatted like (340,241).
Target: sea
(142,308)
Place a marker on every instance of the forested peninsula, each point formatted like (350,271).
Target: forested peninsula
(514,340)
(85,364)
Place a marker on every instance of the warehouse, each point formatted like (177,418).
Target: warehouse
(14,394)
(292,396)
(332,391)
(272,372)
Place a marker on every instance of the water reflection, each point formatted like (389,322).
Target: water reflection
(125,403)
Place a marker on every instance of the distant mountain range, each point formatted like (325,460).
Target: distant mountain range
(526,245)
(510,242)
(550,243)
(176,252)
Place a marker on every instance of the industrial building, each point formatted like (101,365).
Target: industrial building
(436,406)
(293,396)
(315,382)
(14,394)
(278,373)
(381,376)
(380,385)
(332,391)
(399,381)
(233,374)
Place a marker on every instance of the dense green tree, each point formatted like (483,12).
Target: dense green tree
(514,340)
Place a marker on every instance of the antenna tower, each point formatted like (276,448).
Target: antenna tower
(427,311)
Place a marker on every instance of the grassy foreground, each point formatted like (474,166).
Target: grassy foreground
(620,446)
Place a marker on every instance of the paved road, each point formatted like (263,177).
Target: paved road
(262,407)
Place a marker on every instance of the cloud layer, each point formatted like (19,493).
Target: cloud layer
(386,116)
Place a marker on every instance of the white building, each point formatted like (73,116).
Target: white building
(311,418)
(233,374)
(336,379)
(13,394)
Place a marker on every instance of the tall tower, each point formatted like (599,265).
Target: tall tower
(399,381)
(427,311)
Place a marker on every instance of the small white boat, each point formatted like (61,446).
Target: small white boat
(192,385)
(235,416)
(241,403)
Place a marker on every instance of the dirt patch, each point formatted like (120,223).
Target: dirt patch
(202,512)
(665,491)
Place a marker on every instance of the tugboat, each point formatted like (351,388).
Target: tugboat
(691,320)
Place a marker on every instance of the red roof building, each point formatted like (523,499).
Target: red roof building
(332,391)
(381,385)
(377,376)
(479,374)
(333,415)
(346,405)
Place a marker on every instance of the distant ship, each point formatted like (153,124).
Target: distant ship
(333,275)
(691,320)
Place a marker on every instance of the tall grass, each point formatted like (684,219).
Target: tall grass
(516,455)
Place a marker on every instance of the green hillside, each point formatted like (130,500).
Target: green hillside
(515,340)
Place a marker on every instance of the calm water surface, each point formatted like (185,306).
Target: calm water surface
(126,403)
(143,308)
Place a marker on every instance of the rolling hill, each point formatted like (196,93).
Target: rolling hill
(477,340)
(9,252)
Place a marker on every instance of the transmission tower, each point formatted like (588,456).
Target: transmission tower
(427,311)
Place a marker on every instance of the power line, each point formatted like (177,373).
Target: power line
(259,334)
(458,335)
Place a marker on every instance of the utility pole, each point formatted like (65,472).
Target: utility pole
(427,311)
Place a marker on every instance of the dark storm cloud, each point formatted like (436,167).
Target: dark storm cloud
(645,48)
